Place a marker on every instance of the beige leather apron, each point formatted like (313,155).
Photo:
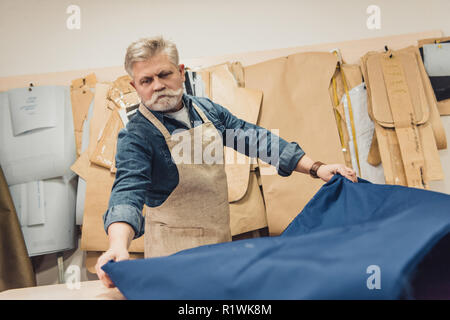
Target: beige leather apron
(197,211)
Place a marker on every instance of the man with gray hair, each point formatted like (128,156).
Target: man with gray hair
(185,203)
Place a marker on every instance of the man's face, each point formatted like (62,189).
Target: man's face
(159,83)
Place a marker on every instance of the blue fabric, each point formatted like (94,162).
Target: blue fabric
(323,254)
(147,174)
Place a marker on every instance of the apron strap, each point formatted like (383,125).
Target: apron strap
(151,117)
(201,113)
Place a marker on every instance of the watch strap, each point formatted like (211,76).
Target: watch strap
(313,171)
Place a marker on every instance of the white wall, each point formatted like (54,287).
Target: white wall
(34,38)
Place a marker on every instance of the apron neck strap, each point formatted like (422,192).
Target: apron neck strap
(200,112)
(151,117)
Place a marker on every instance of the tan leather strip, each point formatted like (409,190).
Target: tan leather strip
(433,167)
(404,118)
(200,112)
(150,117)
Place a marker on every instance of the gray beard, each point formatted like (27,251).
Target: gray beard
(165,104)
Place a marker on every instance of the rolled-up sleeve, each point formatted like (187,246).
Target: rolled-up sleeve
(289,157)
(132,182)
(125,213)
(259,142)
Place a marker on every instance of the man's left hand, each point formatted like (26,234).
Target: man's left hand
(327,171)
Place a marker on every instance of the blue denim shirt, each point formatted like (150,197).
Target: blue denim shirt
(146,173)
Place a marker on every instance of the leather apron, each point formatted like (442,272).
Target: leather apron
(197,211)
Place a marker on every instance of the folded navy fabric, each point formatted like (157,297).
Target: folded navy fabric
(351,241)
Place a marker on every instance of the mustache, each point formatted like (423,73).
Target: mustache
(165,92)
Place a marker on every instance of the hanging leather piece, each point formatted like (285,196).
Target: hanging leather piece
(405,116)
(122,93)
(105,151)
(297,103)
(90,81)
(224,86)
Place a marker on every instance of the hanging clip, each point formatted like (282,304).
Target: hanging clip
(30,86)
(84,83)
(338,55)
(438,42)
(387,50)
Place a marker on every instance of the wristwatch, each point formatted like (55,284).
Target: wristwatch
(313,171)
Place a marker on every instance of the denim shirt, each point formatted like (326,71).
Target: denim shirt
(146,173)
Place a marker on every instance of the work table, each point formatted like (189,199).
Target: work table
(89,290)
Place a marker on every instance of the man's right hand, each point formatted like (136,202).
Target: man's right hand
(116,254)
(120,235)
